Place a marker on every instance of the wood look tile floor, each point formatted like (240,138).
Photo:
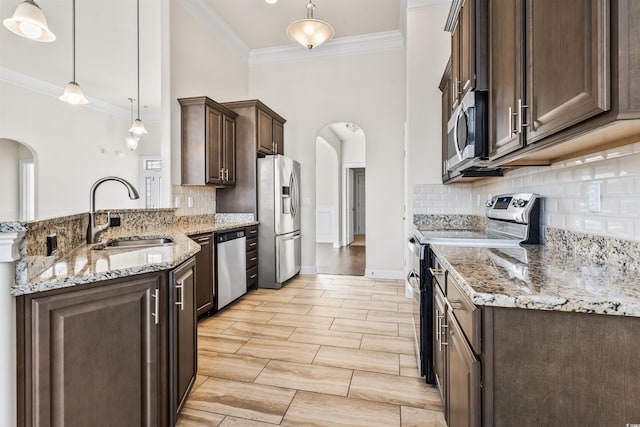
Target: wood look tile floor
(322,351)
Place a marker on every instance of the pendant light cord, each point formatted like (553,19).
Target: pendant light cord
(73,36)
(138,54)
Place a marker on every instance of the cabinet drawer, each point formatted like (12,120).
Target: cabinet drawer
(252,277)
(252,231)
(252,259)
(467,314)
(252,244)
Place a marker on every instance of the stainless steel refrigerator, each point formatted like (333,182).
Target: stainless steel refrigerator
(279,253)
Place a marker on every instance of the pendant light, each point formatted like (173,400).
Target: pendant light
(28,21)
(310,32)
(137,127)
(73,92)
(132,139)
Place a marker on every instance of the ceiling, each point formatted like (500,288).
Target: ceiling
(261,25)
(106,41)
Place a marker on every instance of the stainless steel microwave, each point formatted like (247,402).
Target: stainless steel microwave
(467,140)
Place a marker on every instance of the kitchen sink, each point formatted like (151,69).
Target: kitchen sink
(134,243)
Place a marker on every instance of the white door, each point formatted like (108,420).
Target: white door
(360,202)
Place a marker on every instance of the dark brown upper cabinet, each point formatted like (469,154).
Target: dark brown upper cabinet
(259,132)
(467,23)
(208,142)
(445,88)
(562,72)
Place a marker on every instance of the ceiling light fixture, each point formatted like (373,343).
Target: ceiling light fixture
(137,127)
(73,92)
(310,32)
(28,21)
(132,139)
(271,1)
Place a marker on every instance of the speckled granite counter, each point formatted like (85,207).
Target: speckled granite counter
(543,278)
(87,265)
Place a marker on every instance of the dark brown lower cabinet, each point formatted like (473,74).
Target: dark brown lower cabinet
(99,354)
(463,379)
(204,274)
(440,341)
(183,334)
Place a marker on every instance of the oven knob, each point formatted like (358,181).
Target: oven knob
(519,203)
(514,203)
(489,203)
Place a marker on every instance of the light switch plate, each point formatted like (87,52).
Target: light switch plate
(595,202)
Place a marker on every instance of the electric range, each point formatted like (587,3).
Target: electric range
(512,219)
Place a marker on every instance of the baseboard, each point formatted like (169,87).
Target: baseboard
(336,245)
(384,274)
(308,270)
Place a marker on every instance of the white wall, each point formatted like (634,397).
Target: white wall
(73,145)
(354,149)
(367,89)
(200,64)
(9,180)
(327,193)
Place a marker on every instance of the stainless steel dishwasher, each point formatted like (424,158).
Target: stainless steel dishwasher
(231,266)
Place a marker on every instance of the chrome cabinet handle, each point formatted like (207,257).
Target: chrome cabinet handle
(156,295)
(273,146)
(521,121)
(252,244)
(226,174)
(254,258)
(180,288)
(221,175)
(253,276)
(253,231)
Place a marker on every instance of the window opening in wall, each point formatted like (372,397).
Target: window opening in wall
(151,181)
(27,190)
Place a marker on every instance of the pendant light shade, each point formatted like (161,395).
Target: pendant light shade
(28,21)
(310,32)
(137,127)
(133,139)
(73,92)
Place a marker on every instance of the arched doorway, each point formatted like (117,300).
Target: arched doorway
(17,181)
(340,199)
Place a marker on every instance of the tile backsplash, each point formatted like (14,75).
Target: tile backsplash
(564,187)
(200,200)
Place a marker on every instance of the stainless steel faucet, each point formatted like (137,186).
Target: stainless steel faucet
(93,230)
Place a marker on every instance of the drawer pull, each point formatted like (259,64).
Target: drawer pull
(253,231)
(253,276)
(252,244)
(254,258)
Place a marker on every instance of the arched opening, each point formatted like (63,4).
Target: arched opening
(17,181)
(340,199)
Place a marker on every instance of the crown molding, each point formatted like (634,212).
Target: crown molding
(421,4)
(201,10)
(18,79)
(373,42)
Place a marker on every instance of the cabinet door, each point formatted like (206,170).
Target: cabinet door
(568,66)
(184,342)
(214,148)
(466,26)
(440,342)
(204,274)
(463,376)
(278,137)
(229,151)
(265,133)
(456,88)
(505,82)
(94,355)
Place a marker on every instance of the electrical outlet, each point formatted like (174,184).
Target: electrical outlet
(595,198)
(114,221)
(52,244)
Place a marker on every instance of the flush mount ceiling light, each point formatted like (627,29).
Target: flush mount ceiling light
(28,21)
(271,1)
(73,92)
(132,139)
(137,127)
(310,32)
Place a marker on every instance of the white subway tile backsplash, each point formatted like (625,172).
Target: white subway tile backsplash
(564,188)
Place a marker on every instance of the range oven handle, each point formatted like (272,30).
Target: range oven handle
(414,246)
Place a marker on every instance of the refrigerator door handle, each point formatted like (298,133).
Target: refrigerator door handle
(293,184)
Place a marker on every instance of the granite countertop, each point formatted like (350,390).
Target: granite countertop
(87,264)
(543,278)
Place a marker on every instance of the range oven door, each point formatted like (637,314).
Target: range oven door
(413,284)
